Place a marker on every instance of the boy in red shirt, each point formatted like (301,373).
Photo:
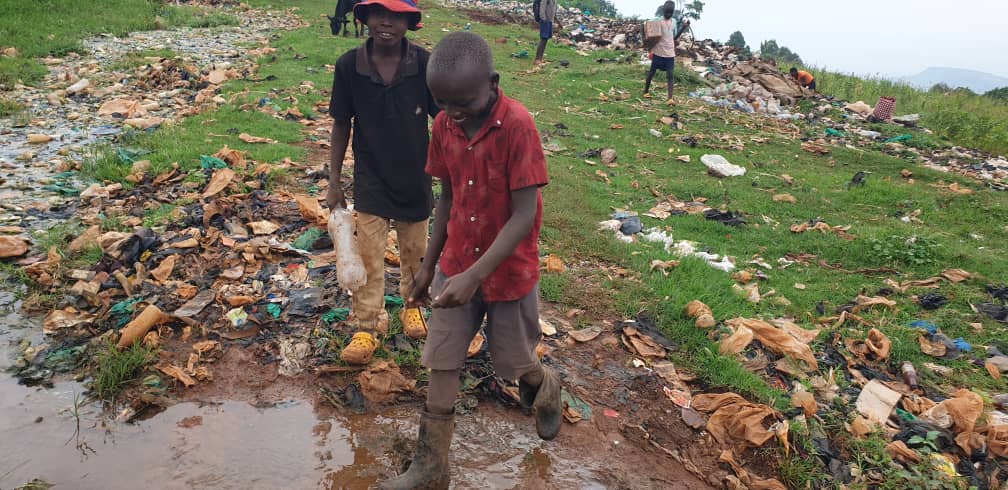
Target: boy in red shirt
(486,151)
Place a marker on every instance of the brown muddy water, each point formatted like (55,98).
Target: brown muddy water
(55,435)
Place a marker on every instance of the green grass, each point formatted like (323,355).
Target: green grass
(204,134)
(58,236)
(56,27)
(114,368)
(9,107)
(160,216)
(969,120)
(136,59)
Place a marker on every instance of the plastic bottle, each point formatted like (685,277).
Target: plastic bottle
(909,374)
(1001,401)
(349,266)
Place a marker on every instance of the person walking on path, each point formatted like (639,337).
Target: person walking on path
(380,88)
(487,153)
(545,14)
(663,54)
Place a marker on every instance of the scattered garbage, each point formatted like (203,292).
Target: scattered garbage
(718,166)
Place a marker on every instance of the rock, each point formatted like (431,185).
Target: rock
(909,120)
(12,246)
(37,139)
(81,85)
(608,156)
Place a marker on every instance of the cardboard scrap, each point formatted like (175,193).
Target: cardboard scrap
(777,340)
(248,138)
(68,318)
(585,334)
(220,180)
(554,264)
(383,382)
(877,401)
(178,373)
(735,420)
(898,450)
(736,342)
(311,210)
(866,302)
(750,481)
(641,343)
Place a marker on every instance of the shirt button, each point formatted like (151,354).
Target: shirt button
(472,218)
(470,148)
(477,249)
(470,182)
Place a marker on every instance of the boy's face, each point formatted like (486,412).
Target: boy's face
(387,28)
(464,95)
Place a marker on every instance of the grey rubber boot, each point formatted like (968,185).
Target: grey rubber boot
(545,401)
(429,469)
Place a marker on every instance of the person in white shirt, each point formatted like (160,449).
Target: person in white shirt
(663,54)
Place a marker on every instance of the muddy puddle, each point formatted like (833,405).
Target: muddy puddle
(58,435)
(236,445)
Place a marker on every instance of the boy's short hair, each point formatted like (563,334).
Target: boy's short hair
(668,9)
(793,70)
(458,50)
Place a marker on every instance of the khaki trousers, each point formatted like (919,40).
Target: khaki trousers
(372,235)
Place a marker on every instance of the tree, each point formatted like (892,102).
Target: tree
(736,40)
(769,48)
(998,93)
(940,88)
(693,10)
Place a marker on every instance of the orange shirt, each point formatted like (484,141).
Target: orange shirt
(805,78)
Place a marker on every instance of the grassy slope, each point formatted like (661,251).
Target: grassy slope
(969,120)
(577,199)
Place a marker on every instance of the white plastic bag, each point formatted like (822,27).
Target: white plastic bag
(349,266)
(720,167)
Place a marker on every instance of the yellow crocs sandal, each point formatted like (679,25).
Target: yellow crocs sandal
(413,323)
(475,345)
(360,349)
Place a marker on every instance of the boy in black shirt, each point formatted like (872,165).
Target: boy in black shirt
(381,88)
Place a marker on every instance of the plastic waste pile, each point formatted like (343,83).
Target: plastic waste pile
(581,27)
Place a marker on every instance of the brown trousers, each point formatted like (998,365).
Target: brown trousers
(372,235)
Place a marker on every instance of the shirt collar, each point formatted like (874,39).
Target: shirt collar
(494,120)
(409,64)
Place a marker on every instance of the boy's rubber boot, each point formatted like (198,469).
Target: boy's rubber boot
(429,469)
(545,400)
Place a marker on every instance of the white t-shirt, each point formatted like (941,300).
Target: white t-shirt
(666,47)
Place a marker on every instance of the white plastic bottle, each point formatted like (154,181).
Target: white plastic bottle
(349,266)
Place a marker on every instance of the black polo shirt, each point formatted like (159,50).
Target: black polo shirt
(390,133)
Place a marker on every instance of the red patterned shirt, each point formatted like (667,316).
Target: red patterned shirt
(506,155)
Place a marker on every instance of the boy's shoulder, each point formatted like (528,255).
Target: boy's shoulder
(515,114)
(349,58)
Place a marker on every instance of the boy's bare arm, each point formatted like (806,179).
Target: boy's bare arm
(459,289)
(339,139)
(439,235)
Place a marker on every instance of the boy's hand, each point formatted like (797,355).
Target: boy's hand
(335,197)
(421,287)
(458,290)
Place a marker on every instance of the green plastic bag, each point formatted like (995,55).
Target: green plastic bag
(209,162)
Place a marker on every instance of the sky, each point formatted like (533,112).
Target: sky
(892,38)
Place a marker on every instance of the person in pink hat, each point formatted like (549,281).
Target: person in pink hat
(380,92)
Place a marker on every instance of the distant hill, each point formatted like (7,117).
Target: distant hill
(976,81)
